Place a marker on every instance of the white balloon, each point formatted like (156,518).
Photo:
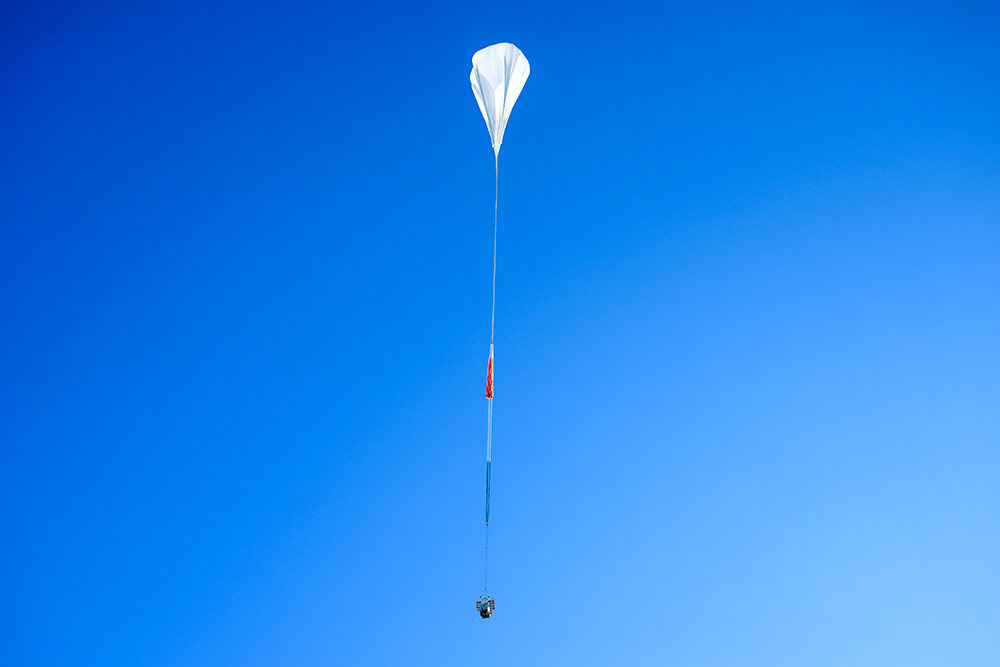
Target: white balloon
(498,75)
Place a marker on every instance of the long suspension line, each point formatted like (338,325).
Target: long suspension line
(489,410)
(496,198)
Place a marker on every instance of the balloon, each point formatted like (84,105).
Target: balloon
(498,75)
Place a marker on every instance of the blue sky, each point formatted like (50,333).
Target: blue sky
(747,379)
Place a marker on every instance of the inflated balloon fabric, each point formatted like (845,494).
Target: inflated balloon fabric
(498,75)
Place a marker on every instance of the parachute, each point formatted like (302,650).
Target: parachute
(498,75)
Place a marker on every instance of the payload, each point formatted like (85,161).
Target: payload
(485,606)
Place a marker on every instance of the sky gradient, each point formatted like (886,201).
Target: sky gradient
(747,366)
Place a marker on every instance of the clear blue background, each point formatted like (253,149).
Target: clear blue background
(748,373)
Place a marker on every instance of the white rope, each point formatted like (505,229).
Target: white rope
(496,197)
(489,411)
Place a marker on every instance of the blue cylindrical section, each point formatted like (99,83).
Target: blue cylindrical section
(487,492)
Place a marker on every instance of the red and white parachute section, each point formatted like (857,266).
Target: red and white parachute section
(498,75)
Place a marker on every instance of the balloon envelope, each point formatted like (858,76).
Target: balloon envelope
(498,75)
